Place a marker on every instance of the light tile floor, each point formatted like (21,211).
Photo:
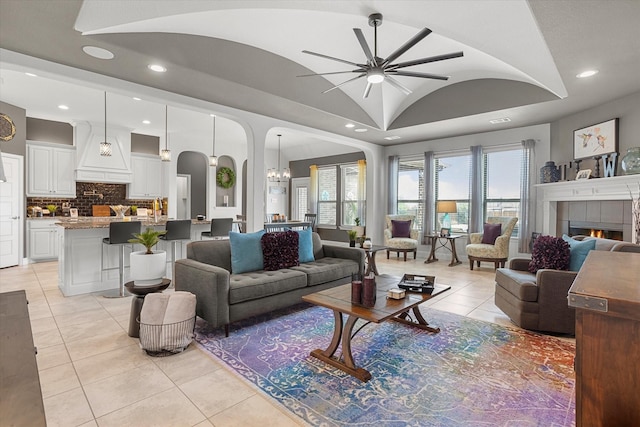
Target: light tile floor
(93,374)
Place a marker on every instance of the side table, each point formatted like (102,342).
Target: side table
(136,303)
(371,258)
(436,238)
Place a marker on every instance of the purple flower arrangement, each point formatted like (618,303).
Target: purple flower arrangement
(549,252)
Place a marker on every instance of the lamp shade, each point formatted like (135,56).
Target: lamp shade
(446,206)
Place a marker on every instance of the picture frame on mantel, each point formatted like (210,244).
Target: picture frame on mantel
(595,140)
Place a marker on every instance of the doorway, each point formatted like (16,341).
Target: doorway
(11,211)
(300,197)
(183,195)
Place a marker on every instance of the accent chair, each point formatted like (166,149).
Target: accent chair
(498,252)
(400,238)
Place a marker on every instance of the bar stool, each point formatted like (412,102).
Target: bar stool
(176,230)
(220,228)
(119,235)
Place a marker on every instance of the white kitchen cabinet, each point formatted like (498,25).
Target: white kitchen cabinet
(50,171)
(42,239)
(147,177)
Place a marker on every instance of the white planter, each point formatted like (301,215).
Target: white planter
(148,269)
(359,229)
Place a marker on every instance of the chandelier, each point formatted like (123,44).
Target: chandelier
(275,175)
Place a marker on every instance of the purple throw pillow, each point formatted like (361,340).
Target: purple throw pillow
(491,233)
(549,252)
(280,250)
(400,228)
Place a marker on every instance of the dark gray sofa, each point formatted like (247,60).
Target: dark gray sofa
(223,297)
(539,301)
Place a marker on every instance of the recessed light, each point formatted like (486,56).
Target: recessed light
(587,73)
(349,125)
(360,130)
(31,75)
(500,120)
(135,98)
(391,138)
(212,115)
(157,68)
(146,122)
(98,52)
(63,107)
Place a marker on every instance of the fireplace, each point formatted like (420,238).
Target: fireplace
(596,229)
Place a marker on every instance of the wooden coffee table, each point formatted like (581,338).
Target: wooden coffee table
(338,299)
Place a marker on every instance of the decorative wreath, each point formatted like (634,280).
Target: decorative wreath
(225,178)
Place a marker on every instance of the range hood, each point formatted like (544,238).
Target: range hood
(91,166)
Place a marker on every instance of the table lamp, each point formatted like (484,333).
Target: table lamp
(446,207)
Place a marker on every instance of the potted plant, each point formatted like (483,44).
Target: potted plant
(52,209)
(358,228)
(352,237)
(148,267)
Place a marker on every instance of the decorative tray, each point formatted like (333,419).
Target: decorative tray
(417,283)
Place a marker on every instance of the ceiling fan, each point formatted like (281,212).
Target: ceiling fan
(378,70)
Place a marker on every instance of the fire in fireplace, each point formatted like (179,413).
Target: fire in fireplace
(605,231)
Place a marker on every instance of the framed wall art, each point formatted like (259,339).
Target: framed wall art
(595,140)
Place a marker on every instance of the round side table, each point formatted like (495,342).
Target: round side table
(136,303)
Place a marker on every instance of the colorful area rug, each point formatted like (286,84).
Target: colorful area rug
(472,373)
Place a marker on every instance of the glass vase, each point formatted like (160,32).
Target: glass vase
(631,161)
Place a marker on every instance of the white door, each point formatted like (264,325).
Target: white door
(183,194)
(11,210)
(300,197)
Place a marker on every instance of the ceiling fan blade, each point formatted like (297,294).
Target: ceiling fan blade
(398,85)
(423,75)
(367,90)
(424,60)
(335,72)
(405,47)
(344,83)
(364,44)
(333,59)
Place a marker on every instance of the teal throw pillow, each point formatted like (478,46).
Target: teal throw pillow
(305,246)
(246,251)
(579,250)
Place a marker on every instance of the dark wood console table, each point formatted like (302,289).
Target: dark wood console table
(21,403)
(607,302)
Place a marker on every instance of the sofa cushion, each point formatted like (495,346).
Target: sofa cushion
(260,284)
(280,250)
(246,251)
(327,269)
(400,228)
(521,284)
(549,252)
(491,233)
(578,251)
(305,241)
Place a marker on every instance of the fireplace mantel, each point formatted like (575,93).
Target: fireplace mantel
(614,188)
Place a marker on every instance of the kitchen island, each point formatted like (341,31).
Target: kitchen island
(87,265)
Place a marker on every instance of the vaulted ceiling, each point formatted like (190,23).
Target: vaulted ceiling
(520,57)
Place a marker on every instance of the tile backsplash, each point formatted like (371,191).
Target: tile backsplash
(112,194)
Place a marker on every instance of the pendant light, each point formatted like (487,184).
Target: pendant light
(213,160)
(105,147)
(275,175)
(165,155)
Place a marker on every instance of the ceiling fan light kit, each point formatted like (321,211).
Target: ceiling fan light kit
(378,70)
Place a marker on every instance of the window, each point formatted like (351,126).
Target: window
(411,194)
(341,194)
(352,207)
(452,184)
(502,184)
(327,195)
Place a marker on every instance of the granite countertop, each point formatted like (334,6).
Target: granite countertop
(87,222)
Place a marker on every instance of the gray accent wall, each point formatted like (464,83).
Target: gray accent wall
(18,145)
(145,144)
(627,109)
(49,131)
(196,165)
